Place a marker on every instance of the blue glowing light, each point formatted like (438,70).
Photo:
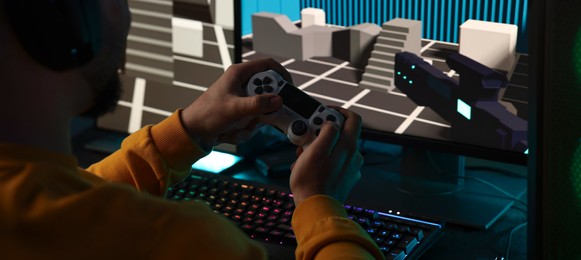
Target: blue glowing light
(399,73)
(464,109)
(411,82)
(216,162)
(404,77)
(413,67)
(527,151)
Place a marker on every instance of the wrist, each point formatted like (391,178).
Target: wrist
(197,135)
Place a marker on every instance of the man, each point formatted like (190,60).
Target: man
(51,209)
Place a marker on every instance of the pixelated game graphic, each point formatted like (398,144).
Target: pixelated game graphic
(353,67)
(175,50)
(340,52)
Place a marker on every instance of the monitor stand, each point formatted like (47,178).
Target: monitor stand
(436,185)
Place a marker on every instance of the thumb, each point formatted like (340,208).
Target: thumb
(258,105)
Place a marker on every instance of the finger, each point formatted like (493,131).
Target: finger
(351,128)
(325,142)
(244,71)
(255,105)
(299,151)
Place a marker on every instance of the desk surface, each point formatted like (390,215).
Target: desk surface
(457,242)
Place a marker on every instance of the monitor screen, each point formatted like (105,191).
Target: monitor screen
(444,79)
(447,75)
(443,75)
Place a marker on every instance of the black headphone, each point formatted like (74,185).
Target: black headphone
(59,34)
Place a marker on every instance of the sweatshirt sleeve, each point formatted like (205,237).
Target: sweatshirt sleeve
(323,231)
(153,158)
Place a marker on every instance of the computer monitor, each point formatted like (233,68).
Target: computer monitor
(444,79)
(339,52)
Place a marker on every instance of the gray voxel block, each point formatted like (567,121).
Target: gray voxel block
(199,10)
(312,16)
(363,36)
(275,34)
(355,43)
(492,44)
(396,36)
(410,29)
(317,41)
(271,35)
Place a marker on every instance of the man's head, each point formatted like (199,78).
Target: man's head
(81,40)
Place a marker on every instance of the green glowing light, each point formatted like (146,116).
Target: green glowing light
(464,109)
(576,171)
(216,162)
(411,82)
(399,73)
(404,77)
(413,67)
(577,55)
(527,151)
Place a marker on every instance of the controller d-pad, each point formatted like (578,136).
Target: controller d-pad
(321,109)
(259,90)
(268,89)
(331,118)
(299,128)
(257,82)
(317,120)
(267,80)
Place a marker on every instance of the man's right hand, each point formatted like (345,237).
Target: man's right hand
(330,165)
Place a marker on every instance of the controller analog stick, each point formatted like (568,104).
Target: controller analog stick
(299,128)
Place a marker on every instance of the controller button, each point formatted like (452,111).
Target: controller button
(331,118)
(280,83)
(299,128)
(321,109)
(257,82)
(317,120)
(317,132)
(259,90)
(267,80)
(268,89)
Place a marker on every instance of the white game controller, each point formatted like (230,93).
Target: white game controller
(301,116)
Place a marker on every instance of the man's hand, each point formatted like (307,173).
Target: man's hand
(330,165)
(224,113)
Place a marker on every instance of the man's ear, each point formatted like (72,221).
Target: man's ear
(61,34)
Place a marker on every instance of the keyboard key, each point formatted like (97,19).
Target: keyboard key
(404,229)
(407,244)
(418,233)
(289,239)
(395,254)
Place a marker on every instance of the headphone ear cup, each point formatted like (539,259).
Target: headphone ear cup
(59,34)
